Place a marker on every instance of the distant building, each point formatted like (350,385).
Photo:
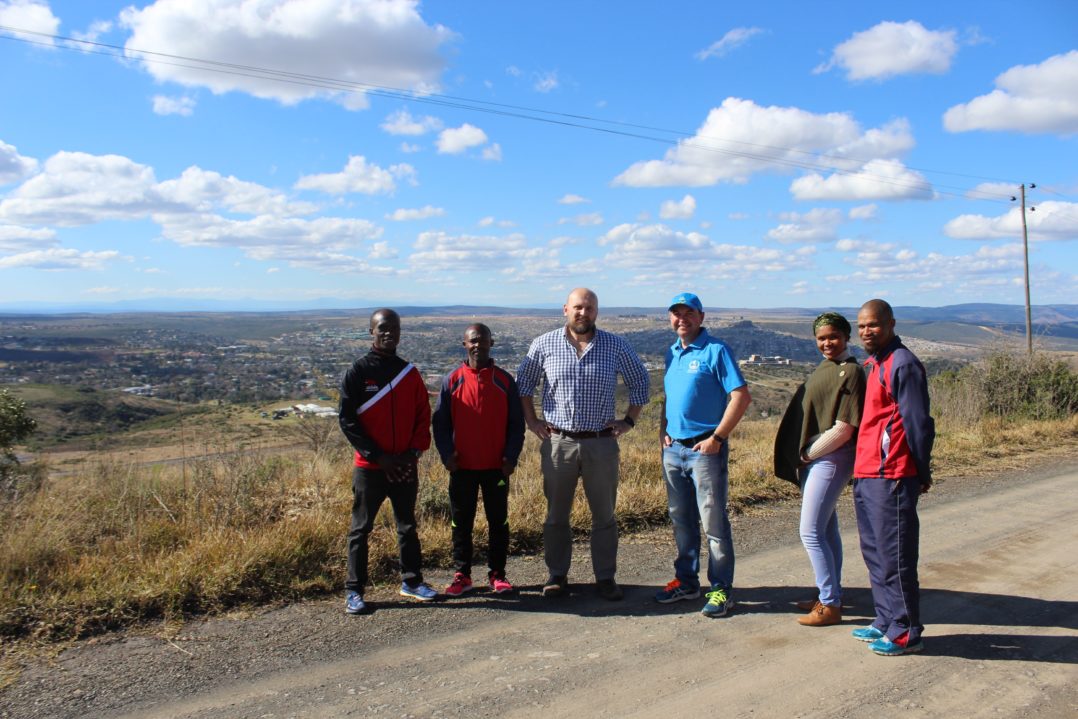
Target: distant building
(759,360)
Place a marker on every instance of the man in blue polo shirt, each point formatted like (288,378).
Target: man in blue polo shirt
(706,397)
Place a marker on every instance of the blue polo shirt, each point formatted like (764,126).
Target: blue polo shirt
(698,380)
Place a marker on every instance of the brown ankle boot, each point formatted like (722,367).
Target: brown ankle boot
(821,616)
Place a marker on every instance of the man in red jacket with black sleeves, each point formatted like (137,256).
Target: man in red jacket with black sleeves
(385,414)
(479,432)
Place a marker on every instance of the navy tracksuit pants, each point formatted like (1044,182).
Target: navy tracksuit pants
(890,539)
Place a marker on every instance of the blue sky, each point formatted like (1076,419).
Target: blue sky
(761,154)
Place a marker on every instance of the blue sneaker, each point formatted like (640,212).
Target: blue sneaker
(886,648)
(674,591)
(867,634)
(423,592)
(718,604)
(354,604)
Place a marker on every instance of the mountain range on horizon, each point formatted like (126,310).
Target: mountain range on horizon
(973,312)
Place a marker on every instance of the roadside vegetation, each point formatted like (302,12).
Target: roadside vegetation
(124,542)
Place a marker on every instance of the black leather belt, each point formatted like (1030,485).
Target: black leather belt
(692,441)
(583,435)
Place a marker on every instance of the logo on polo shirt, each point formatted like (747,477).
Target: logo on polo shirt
(694,366)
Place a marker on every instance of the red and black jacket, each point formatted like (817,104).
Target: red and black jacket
(897,432)
(478,416)
(384,408)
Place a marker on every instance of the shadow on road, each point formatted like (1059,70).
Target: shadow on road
(939,607)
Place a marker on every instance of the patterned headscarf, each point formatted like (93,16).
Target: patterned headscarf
(834,319)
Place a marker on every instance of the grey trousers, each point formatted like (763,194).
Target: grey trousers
(564,460)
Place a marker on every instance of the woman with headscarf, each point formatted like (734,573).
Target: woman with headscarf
(815,450)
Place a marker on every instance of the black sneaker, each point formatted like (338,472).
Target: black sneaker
(609,590)
(556,587)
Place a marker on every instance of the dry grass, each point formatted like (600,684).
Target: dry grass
(126,542)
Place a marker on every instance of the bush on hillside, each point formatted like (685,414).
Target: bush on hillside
(1010,385)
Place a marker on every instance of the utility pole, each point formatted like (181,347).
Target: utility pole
(1025,248)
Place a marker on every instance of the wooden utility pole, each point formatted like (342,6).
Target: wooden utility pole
(1025,248)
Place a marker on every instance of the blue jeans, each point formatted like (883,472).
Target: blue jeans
(822,481)
(696,492)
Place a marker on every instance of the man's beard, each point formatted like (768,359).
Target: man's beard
(582,327)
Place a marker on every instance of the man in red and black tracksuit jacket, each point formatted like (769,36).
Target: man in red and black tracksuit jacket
(891,470)
(479,432)
(385,414)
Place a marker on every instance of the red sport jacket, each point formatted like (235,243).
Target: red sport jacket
(384,408)
(897,433)
(478,416)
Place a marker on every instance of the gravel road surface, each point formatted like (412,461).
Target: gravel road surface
(999,575)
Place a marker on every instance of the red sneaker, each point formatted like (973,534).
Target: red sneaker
(500,585)
(461,585)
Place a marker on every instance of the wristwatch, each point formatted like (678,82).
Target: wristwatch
(629,421)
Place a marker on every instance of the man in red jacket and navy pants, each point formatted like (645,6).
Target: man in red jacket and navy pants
(891,470)
(479,432)
(385,414)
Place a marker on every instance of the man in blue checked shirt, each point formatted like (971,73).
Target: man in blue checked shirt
(706,396)
(578,366)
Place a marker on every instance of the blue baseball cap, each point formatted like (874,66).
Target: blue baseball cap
(689,300)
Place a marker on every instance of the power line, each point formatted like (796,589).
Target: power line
(574,120)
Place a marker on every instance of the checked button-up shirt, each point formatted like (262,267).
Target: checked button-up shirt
(578,392)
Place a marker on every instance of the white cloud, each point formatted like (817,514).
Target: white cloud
(266,237)
(56,258)
(571,199)
(17,239)
(410,148)
(13,166)
(864,212)
(401,122)
(421,213)
(29,15)
(203,190)
(357,176)
(492,152)
(800,287)
(741,138)
(877,180)
(382,251)
(455,140)
(817,225)
(993,191)
(491,221)
(79,189)
(513,71)
(657,248)
(273,270)
(731,40)
(439,251)
(1028,98)
(94,32)
(682,209)
(163,105)
(738,216)
(383,42)
(75,188)
(546,81)
(884,265)
(1052,220)
(891,49)
(588,219)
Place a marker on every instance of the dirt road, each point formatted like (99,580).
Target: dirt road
(999,573)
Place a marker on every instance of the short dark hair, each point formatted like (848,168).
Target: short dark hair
(881,308)
(383,311)
(483,329)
